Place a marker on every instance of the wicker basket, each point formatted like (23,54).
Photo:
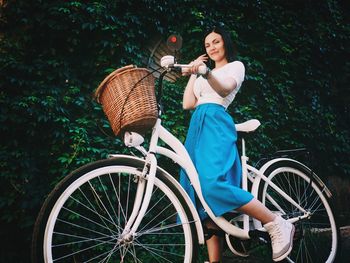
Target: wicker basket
(128,99)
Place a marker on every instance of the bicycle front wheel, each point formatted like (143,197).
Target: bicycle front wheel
(85,215)
(317,236)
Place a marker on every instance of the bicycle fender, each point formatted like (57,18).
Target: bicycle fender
(274,161)
(132,160)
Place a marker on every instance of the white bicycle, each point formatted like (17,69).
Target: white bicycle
(130,209)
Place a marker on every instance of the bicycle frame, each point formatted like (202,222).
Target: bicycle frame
(179,154)
(247,170)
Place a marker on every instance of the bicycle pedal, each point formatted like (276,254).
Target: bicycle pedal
(257,234)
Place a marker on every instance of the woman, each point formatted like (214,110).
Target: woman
(211,143)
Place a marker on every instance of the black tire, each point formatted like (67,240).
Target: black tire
(317,238)
(88,222)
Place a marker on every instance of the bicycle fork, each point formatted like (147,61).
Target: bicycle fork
(144,189)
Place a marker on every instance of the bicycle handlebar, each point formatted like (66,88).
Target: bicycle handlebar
(168,62)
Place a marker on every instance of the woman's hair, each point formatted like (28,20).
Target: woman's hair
(228,43)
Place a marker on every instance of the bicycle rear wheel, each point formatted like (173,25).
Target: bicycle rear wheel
(84,216)
(317,237)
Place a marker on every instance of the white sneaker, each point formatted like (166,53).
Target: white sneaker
(281,233)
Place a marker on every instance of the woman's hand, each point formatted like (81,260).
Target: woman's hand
(195,64)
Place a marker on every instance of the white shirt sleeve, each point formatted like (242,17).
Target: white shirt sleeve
(206,94)
(236,70)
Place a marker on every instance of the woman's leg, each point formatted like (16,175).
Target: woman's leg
(254,209)
(257,210)
(214,244)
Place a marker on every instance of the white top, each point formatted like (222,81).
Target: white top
(206,94)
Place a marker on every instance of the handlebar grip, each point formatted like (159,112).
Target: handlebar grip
(185,68)
(168,62)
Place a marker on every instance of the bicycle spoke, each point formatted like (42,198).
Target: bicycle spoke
(120,207)
(93,209)
(150,247)
(91,217)
(90,220)
(274,203)
(101,202)
(156,218)
(315,234)
(109,201)
(82,239)
(156,252)
(110,253)
(103,219)
(159,200)
(161,228)
(83,228)
(82,250)
(133,253)
(101,255)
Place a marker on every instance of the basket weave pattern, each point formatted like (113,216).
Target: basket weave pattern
(128,99)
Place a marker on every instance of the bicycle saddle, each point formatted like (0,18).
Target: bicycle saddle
(248,126)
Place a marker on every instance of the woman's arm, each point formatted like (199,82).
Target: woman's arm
(223,86)
(189,99)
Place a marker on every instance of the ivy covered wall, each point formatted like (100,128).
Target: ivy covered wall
(53,55)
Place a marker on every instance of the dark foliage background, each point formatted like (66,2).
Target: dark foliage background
(53,55)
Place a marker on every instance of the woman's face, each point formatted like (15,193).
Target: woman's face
(214,45)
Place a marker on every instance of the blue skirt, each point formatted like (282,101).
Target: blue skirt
(211,144)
